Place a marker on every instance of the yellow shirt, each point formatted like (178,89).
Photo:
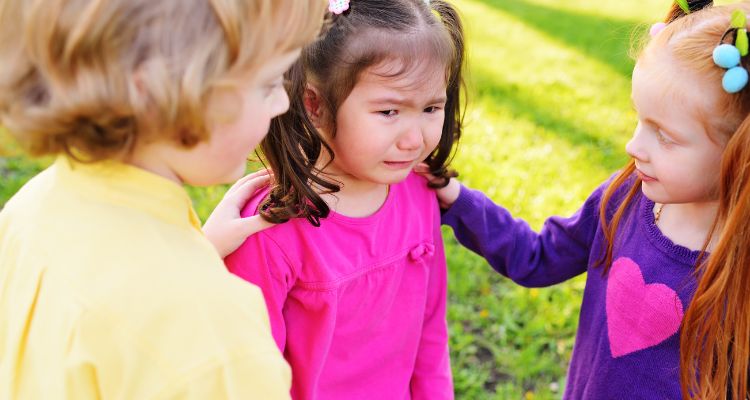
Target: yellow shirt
(108,289)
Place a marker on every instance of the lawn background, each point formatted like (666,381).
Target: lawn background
(549,115)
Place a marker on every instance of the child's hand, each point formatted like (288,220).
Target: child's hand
(446,195)
(225,228)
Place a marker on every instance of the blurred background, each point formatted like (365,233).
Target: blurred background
(548,118)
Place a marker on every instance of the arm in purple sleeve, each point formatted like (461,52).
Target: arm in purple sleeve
(560,251)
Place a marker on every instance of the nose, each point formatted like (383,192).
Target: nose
(281,103)
(411,139)
(635,147)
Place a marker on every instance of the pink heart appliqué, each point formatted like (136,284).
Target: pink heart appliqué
(638,315)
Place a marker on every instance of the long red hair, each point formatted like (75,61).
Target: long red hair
(715,335)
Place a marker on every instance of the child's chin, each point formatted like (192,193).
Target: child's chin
(653,196)
(238,173)
(210,178)
(394,177)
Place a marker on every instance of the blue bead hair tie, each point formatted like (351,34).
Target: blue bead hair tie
(729,56)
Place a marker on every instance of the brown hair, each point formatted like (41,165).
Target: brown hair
(370,32)
(91,77)
(715,336)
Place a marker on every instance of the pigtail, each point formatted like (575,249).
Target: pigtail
(610,225)
(677,12)
(715,342)
(455,105)
(292,149)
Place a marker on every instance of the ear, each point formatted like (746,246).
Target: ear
(314,105)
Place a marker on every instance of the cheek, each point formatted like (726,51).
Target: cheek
(235,142)
(252,128)
(348,146)
(358,133)
(712,170)
(433,134)
(708,162)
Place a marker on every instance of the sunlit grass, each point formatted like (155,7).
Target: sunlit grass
(550,115)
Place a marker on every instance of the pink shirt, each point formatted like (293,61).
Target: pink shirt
(358,305)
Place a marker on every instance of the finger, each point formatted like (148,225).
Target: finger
(422,168)
(254,224)
(242,193)
(241,181)
(246,178)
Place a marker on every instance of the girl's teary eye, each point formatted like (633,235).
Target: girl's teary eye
(432,109)
(389,113)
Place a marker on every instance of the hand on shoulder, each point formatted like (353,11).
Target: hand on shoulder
(225,228)
(446,195)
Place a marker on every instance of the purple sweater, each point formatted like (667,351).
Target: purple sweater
(627,346)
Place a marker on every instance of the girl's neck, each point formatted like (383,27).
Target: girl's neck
(688,224)
(357,198)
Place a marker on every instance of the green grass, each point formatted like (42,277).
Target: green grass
(548,120)
(15,169)
(549,117)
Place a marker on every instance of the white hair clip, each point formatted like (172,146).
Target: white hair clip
(338,6)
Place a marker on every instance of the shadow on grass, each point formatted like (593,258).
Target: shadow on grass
(604,38)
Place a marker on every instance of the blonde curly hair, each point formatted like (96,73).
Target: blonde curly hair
(90,78)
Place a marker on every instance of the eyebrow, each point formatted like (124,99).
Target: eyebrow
(404,101)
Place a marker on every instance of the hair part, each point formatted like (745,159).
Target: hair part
(90,78)
(369,34)
(715,335)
